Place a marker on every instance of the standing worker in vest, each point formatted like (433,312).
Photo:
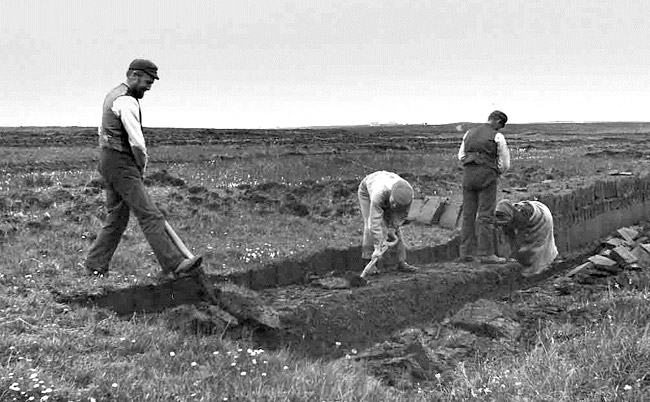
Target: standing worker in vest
(484,156)
(122,163)
(384,199)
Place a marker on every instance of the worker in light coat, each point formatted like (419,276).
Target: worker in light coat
(384,199)
(528,227)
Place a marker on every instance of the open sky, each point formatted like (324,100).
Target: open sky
(294,63)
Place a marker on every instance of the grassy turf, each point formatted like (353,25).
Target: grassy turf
(50,351)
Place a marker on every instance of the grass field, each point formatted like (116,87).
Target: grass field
(250,199)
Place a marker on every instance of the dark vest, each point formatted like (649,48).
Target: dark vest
(112,133)
(480,147)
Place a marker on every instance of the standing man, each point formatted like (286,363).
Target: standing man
(484,156)
(122,163)
(384,199)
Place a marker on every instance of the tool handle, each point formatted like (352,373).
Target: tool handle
(177,241)
(390,244)
(369,267)
(373,262)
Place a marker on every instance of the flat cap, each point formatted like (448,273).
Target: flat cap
(402,193)
(145,65)
(498,115)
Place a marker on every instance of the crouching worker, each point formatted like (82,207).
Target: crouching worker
(528,226)
(385,199)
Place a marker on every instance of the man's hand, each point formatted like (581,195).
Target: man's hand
(377,254)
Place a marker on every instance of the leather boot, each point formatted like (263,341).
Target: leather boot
(403,266)
(187,266)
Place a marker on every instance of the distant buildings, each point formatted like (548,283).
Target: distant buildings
(390,123)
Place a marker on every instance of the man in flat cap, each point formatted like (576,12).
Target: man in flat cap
(384,199)
(484,156)
(122,163)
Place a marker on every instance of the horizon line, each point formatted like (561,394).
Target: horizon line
(373,124)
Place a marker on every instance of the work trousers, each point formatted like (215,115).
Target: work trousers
(125,193)
(479,203)
(367,245)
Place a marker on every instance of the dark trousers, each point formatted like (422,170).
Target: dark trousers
(126,193)
(479,202)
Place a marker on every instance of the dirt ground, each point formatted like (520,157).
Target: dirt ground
(546,158)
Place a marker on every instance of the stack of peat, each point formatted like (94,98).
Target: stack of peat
(622,259)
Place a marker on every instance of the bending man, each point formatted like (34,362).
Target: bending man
(385,199)
(528,226)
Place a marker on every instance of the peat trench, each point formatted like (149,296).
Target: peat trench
(317,310)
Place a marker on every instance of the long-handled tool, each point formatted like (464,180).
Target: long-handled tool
(198,274)
(371,265)
(177,241)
